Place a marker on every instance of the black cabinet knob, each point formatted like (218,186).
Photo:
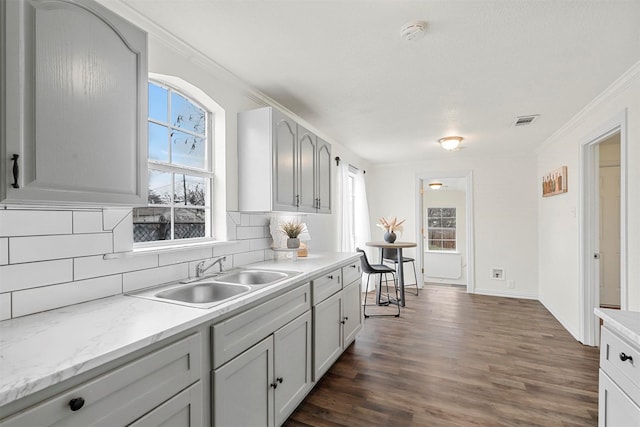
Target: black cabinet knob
(330,277)
(624,358)
(274,385)
(279,379)
(76,403)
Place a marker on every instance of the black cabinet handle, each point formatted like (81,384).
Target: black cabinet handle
(279,379)
(274,385)
(343,322)
(330,277)
(297,200)
(76,403)
(624,358)
(16,170)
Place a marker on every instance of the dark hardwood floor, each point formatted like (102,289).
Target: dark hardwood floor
(454,359)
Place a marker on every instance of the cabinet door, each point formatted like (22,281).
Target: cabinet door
(76,88)
(327,333)
(306,170)
(182,410)
(352,312)
(284,164)
(242,392)
(323,191)
(292,349)
(615,408)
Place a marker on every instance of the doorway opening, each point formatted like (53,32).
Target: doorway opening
(444,226)
(603,230)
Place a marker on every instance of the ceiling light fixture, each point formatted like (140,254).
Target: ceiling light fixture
(450,142)
(435,185)
(413,30)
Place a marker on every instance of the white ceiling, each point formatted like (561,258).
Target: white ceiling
(342,66)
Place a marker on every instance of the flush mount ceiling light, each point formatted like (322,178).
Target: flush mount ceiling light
(435,185)
(450,142)
(413,30)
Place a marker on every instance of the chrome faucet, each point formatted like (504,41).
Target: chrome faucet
(200,268)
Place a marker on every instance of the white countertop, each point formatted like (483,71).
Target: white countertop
(625,323)
(44,349)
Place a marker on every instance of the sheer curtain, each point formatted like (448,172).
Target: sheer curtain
(353,210)
(362,228)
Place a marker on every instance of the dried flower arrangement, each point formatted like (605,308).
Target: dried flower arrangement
(391,225)
(292,228)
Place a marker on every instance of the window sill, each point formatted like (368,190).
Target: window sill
(173,247)
(432,251)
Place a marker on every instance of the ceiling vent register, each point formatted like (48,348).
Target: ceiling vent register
(525,120)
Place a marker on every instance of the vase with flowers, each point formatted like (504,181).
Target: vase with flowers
(390,226)
(292,229)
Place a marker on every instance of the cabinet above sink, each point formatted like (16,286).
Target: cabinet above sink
(282,166)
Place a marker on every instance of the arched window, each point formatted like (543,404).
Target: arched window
(180,169)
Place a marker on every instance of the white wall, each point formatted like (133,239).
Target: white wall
(448,199)
(558,230)
(505,211)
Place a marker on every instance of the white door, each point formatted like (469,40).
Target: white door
(610,236)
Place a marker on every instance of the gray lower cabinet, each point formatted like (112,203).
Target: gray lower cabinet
(159,387)
(619,381)
(336,318)
(264,384)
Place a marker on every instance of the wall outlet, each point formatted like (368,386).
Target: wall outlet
(497,273)
(511,284)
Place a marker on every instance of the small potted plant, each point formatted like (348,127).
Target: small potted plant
(390,226)
(292,229)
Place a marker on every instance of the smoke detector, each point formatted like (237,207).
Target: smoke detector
(413,30)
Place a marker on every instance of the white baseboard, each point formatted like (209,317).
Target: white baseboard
(506,294)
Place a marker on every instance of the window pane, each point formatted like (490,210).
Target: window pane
(158,103)
(186,115)
(150,224)
(449,212)
(158,142)
(449,233)
(435,245)
(187,150)
(189,223)
(449,244)
(159,188)
(434,212)
(195,188)
(435,223)
(449,222)
(435,234)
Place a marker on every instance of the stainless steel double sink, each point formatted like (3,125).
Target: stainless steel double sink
(212,290)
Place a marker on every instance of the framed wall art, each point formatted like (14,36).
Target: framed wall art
(555,182)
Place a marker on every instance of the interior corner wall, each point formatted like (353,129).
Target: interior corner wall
(558,230)
(505,214)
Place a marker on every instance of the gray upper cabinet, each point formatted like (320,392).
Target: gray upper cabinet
(75,118)
(282,166)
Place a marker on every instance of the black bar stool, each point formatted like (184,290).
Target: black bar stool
(380,269)
(391,255)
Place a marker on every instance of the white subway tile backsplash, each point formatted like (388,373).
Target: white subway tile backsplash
(250,232)
(123,234)
(155,276)
(87,222)
(34,223)
(5,306)
(113,216)
(49,297)
(247,258)
(234,248)
(96,266)
(259,219)
(185,255)
(38,248)
(4,251)
(257,244)
(23,276)
(234,217)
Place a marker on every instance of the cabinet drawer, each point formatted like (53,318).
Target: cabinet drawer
(235,335)
(124,394)
(326,285)
(351,273)
(615,408)
(625,373)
